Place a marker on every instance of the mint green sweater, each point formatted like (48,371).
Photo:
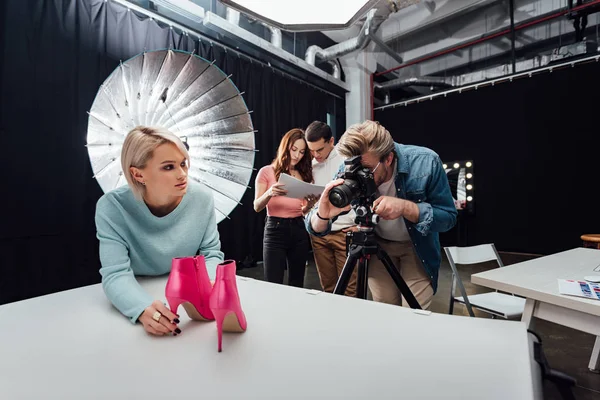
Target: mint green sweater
(133,241)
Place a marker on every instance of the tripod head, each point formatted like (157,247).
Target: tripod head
(365,218)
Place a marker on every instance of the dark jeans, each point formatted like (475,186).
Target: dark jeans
(285,240)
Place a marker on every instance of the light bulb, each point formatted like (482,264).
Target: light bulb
(469,198)
(456,165)
(469,164)
(469,175)
(469,187)
(445,166)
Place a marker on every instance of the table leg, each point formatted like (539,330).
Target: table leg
(595,360)
(527,316)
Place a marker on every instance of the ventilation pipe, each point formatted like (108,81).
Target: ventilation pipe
(348,46)
(276,39)
(335,68)
(414,81)
(375,17)
(233,16)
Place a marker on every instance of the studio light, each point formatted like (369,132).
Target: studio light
(458,174)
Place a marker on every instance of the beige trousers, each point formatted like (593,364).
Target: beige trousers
(382,286)
(330,256)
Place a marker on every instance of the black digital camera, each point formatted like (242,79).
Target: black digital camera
(359,184)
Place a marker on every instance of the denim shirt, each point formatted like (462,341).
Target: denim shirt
(421,179)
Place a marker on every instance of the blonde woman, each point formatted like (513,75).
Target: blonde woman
(158,216)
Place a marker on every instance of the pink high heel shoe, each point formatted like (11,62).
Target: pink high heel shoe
(225,301)
(188,285)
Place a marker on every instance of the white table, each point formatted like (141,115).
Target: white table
(536,280)
(299,345)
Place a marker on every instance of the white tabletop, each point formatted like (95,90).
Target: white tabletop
(74,345)
(538,278)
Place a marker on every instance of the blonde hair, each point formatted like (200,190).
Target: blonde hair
(368,136)
(138,149)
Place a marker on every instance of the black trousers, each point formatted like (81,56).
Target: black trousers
(286,242)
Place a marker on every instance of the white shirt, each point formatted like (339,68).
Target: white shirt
(323,173)
(394,230)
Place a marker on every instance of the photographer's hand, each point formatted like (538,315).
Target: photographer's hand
(326,210)
(389,208)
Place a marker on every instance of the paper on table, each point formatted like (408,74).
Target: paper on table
(579,288)
(298,189)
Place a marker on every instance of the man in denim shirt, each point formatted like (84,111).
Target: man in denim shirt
(414,205)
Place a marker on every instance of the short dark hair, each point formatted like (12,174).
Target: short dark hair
(318,130)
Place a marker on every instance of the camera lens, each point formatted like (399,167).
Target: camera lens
(340,196)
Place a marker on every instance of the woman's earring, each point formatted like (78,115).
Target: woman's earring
(144,183)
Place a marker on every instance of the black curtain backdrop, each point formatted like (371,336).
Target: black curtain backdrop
(55,55)
(534,143)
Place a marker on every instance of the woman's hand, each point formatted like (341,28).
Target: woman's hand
(166,323)
(277,190)
(311,200)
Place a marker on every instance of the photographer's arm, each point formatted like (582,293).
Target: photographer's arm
(439,213)
(320,224)
(317,224)
(411,211)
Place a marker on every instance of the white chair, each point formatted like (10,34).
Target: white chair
(494,303)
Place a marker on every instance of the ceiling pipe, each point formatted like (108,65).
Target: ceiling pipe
(375,17)
(233,16)
(430,81)
(492,35)
(413,81)
(335,68)
(276,37)
(348,46)
(441,18)
(386,98)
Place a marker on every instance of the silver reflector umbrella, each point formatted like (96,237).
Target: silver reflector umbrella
(192,98)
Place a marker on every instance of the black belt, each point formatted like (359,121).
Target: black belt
(289,220)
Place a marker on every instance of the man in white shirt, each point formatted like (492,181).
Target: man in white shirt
(330,250)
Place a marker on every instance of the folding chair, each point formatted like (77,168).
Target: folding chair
(494,303)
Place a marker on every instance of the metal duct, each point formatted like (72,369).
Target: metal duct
(276,38)
(233,16)
(386,98)
(224,27)
(187,9)
(375,17)
(336,72)
(413,81)
(348,46)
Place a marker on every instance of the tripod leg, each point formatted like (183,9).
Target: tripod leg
(342,283)
(397,278)
(361,278)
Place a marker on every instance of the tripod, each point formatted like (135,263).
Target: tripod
(362,248)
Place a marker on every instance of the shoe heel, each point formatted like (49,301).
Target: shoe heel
(227,321)
(190,309)
(174,303)
(219,318)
